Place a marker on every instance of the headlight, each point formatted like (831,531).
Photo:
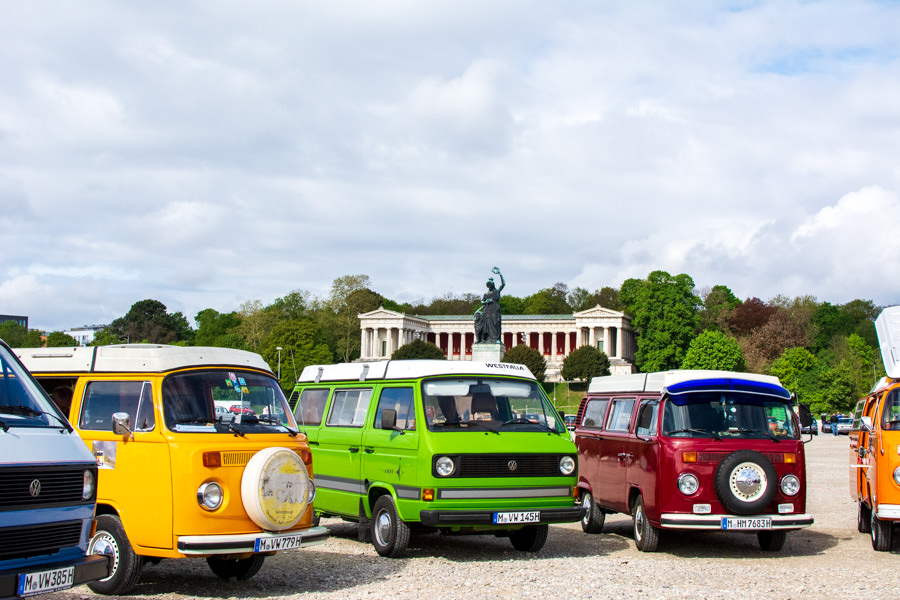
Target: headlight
(897,475)
(88,485)
(790,484)
(444,466)
(566,465)
(688,484)
(209,495)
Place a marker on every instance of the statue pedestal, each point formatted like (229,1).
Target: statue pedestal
(489,352)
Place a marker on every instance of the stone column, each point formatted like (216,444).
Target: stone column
(620,346)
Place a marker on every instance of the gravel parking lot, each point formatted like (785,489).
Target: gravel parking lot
(830,559)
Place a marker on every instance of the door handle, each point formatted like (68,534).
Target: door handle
(369,450)
(354,448)
(624,455)
(313,443)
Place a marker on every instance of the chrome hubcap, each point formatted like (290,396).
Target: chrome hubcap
(105,544)
(383,528)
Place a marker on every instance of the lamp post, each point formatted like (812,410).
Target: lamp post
(279,364)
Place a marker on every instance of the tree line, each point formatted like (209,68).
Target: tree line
(826,354)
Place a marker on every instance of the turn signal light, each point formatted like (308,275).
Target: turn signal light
(428,495)
(212,460)
(689,457)
(305,456)
(790,458)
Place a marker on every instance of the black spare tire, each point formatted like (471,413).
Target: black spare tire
(745,482)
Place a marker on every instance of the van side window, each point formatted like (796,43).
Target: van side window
(401,400)
(594,413)
(103,398)
(311,406)
(620,414)
(650,429)
(890,413)
(349,408)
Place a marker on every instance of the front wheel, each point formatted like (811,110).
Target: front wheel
(594,517)
(646,536)
(124,565)
(390,535)
(771,541)
(530,538)
(239,568)
(881,533)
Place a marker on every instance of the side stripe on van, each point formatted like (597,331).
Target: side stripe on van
(473,493)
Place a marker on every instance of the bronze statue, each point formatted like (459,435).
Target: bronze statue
(487,318)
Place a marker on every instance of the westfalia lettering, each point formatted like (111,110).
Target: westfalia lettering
(511,367)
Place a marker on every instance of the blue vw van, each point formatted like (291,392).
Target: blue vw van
(48,488)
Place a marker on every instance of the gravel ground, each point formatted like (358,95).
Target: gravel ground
(815,562)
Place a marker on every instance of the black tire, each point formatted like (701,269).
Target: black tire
(743,468)
(881,533)
(530,538)
(863,518)
(239,568)
(390,535)
(125,566)
(316,519)
(594,517)
(771,541)
(646,536)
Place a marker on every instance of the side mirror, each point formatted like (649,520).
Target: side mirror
(389,419)
(806,418)
(121,423)
(865,423)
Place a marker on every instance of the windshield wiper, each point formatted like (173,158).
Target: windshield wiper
(270,420)
(30,412)
(768,433)
(235,428)
(484,424)
(520,421)
(714,435)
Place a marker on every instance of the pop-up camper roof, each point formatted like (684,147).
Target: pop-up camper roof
(887,326)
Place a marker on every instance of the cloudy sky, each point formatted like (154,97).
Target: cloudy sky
(207,153)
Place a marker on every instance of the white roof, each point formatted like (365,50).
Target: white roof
(887,326)
(655,382)
(134,358)
(407,369)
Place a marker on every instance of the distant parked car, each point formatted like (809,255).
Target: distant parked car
(241,410)
(570,422)
(813,428)
(845,424)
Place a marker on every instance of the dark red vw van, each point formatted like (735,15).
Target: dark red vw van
(706,450)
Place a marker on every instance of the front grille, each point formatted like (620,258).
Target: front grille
(36,540)
(41,487)
(236,458)
(498,465)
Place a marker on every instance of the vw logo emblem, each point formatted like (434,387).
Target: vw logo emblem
(512,465)
(35,488)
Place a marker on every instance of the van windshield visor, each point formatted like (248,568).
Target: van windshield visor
(728,414)
(487,404)
(225,401)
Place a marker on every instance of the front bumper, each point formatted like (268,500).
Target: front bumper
(691,521)
(888,512)
(237,544)
(90,568)
(465,518)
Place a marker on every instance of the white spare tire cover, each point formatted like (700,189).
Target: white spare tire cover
(275,488)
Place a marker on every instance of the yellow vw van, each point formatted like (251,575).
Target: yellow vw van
(198,455)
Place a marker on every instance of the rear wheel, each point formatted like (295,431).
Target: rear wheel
(390,535)
(646,536)
(530,538)
(594,517)
(239,568)
(863,518)
(124,565)
(882,533)
(771,541)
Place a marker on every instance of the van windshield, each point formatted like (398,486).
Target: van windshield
(224,401)
(22,403)
(487,404)
(728,414)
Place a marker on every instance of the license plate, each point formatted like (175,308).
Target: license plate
(283,542)
(746,523)
(502,518)
(45,581)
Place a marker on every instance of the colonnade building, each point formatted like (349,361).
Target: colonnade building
(554,336)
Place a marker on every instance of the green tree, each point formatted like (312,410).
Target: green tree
(608,297)
(301,344)
(511,305)
(418,349)
(580,299)
(528,356)
(549,301)
(149,321)
(15,335)
(714,350)
(58,339)
(350,296)
(718,306)
(256,324)
(216,329)
(105,337)
(584,363)
(664,318)
(837,385)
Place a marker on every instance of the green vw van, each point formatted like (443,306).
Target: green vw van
(433,445)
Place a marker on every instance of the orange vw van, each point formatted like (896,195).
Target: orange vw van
(177,477)
(875,442)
